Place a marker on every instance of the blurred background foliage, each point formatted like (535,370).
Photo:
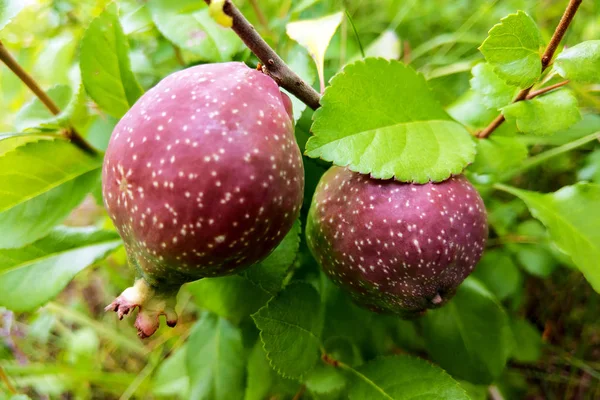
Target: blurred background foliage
(70,349)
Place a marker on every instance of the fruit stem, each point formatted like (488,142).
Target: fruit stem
(28,80)
(274,66)
(559,33)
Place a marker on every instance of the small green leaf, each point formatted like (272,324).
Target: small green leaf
(498,154)
(389,131)
(216,360)
(41,182)
(8,10)
(513,48)
(546,114)
(187,24)
(314,35)
(470,337)
(494,91)
(171,377)
(290,328)
(34,274)
(105,66)
(270,273)
(499,273)
(580,63)
(572,217)
(35,113)
(528,341)
(404,378)
(325,380)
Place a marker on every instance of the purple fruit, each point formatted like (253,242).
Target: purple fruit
(396,247)
(202,178)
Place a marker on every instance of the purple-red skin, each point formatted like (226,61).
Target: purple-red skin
(202,177)
(396,247)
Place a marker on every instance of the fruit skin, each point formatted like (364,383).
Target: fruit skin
(202,178)
(396,247)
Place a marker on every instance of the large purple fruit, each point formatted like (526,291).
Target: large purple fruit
(202,178)
(396,247)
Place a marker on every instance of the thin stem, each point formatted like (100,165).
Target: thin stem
(362,51)
(4,378)
(274,66)
(546,155)
(300,393)
(559,33)
(28,80)
(547,89)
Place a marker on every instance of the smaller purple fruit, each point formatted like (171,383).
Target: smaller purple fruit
(396,247)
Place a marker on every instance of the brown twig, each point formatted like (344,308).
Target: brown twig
(547,89)
(28,80)
(559,33)
(4,378)
(274,66)
(300,393)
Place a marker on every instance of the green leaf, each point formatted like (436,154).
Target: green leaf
(299,61)
(572,217)
(188,25)
(513,48)
(41,181)
(314,35)
(270,273)
(470,337)
(404,378)
(536,258)
(493,90)
(35,112)
(32,275)
(216,359)
(498,154)
(8,10)
(546,114)
(388,130)
(528,341)
(325,380)
(105,66)
(580,63)
(262,382)
(171,378)
(499,273)
(290,328)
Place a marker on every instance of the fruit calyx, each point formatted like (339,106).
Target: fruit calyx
(151,302)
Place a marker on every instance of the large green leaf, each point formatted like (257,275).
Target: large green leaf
(572,217)
(216,360)
(513,48)
(546,114)
(290,328)
(494,91)
(387,130)
(34,274)
(470,337)
(188,25)
(41,181)
(8,10)
(580,63)
(105,66)
(404,378)
(499,273)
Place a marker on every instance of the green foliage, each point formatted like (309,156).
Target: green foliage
(546,114)
(399,131)
(470,337)
(572,218)
(215,360)
(105,65)
(499,274)
(290,329)
(513,48)
(400,378)
(8,10)
(34,274)
(494,91)
(580,63)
